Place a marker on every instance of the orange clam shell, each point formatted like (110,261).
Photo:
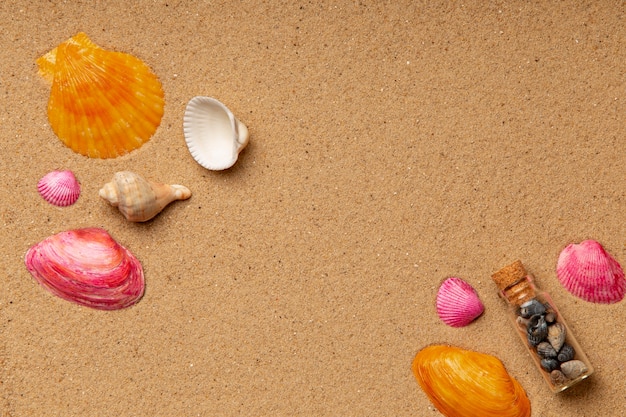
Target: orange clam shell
(102,104)
(463,383)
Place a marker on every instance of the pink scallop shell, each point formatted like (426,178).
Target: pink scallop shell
(458,303)
(87,267)
(59,188)
(587,271)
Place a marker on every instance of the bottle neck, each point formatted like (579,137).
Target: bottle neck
(520,291)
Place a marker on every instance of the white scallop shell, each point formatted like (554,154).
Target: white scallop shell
(213,135)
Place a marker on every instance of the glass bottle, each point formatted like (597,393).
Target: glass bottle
(551,344)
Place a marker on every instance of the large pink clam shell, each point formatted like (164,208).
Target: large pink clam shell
(87,267)
(458,303)
(59,188)
(589,272)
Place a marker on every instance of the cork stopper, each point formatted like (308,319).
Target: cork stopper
(512,283)
(509,275)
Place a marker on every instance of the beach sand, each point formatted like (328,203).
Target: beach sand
(392,145)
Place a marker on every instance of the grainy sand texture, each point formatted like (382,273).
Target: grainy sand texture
(393,144)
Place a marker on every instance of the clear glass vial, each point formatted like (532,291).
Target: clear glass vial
(551,344)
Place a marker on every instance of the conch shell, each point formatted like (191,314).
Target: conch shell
(462,383)
(87,267)
(102,103)
(139,200)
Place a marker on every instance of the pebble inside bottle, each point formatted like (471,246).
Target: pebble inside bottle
(551,344)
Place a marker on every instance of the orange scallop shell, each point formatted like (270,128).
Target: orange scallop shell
(102,103)
(463,383)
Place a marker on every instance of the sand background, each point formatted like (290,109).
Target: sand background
(393,144)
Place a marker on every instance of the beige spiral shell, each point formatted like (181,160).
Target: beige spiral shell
(138,199)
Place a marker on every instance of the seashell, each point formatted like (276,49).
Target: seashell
(549,364)
(458,303)
(550,318)
(140,200)
(557,377)
(102,103)
(465,383)
(522,323)
(213,135)
(531,308)
(87,267)
(587,271)
(566,353)
(537,330)
(573,369)
(59,188)
(556,335)
(545,350)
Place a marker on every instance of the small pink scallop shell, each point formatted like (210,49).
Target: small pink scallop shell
(458,303)
(87,267)
(59,188)
(587,271)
